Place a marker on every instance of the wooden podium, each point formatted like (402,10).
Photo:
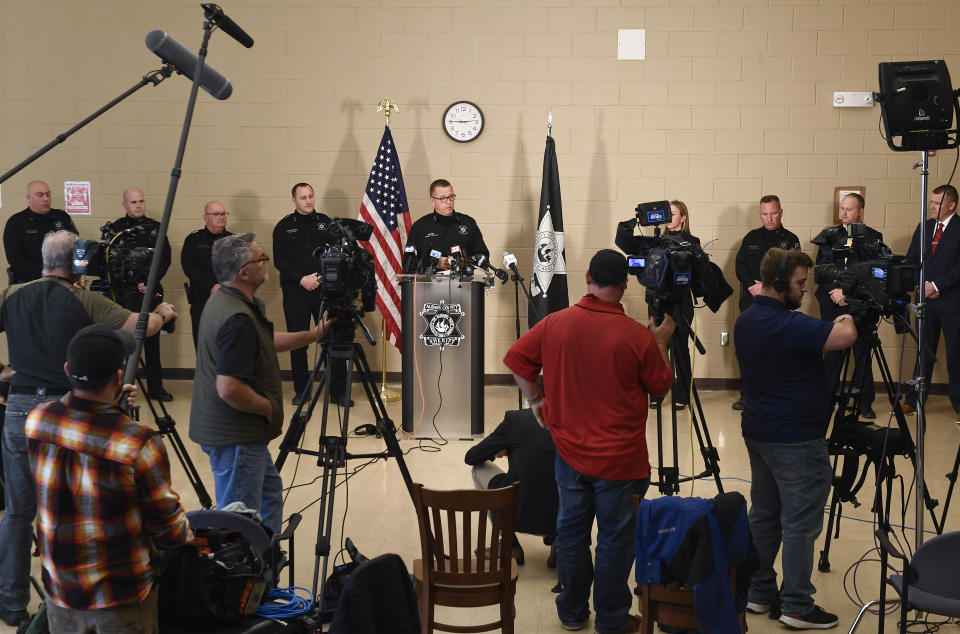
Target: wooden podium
(442,326)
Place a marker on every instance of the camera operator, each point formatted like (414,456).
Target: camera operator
(679,226)
(941,291)
(195,259)
(598,368)
(754,246)
(40,318)
(784,423)
(237,405)
(444,229)
(294,239)
(132,298)
(833,303)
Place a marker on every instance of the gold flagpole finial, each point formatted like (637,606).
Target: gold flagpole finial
(385,106)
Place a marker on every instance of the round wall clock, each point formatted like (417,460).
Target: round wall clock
(463,121)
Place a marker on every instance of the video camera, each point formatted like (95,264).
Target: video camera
(120,264)
(870,275)
(669,266)
(347,270)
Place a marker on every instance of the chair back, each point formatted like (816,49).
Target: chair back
(466,535)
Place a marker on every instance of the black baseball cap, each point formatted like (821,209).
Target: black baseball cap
(608,268)
(98,351)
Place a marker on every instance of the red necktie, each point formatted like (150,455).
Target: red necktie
(936,237)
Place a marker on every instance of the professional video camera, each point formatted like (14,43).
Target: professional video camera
(116,260)
(669,266)
(347,270)
(870,275)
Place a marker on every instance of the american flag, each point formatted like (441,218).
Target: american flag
(385,207)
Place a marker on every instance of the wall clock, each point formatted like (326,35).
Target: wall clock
(463,121)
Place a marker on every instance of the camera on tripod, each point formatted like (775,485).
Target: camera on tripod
(870,275)
(669,266)
(120,264)
(347,270)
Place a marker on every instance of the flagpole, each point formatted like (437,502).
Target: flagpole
(387,107)
(550,122)
(386,394)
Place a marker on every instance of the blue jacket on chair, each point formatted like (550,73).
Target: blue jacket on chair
(696,541)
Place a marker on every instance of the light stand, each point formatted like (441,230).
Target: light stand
(918,104)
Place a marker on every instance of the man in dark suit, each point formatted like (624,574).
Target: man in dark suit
(941,290)
(833,303)
(530,454)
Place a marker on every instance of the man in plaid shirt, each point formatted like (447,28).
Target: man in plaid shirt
(104,502)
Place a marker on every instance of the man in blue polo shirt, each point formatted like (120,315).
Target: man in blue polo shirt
(785,418)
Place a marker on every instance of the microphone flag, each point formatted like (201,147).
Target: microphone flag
(385,207)
(548,283)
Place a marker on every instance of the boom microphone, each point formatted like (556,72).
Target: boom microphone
(172,52)
(216,15)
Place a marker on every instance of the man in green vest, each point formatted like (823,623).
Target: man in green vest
(237,403)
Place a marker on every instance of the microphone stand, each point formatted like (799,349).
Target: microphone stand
(518,286)
(153,77)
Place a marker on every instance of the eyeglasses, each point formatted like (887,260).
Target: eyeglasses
(445,199)
(218,214)
(263,258)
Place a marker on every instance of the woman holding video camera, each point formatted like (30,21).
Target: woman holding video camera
(679,226)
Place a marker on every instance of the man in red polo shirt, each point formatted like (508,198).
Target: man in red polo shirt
(598,368)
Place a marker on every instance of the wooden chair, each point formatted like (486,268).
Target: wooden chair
(672,604)
(466,539)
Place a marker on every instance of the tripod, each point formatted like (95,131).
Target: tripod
(670,480)
(332,455)
(850,438)
(167,428)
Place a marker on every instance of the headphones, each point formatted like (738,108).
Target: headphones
(780,284)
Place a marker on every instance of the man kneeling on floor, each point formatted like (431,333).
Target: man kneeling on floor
(530,455)
(104,500)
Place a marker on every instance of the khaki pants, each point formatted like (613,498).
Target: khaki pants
(139,618)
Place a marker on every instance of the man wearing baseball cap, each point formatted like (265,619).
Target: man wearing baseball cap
(103,494)
(598,368)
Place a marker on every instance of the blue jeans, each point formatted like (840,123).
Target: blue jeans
(611,501)
(245,473)
(789,488)
(16,526)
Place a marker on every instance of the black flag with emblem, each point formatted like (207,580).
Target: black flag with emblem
(548,283)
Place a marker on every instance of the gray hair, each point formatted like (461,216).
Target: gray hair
(57,250)
(230,254)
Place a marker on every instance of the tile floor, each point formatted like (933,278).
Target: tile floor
(380,518)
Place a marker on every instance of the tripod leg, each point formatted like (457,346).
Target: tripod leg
(298,422)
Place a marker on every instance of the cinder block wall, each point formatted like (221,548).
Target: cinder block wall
(733,101)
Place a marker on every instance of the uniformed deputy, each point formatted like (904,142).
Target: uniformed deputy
(294,239)
(135,207)
(23,234)
(195,259)
(444,229)
(754,246)
(833,303)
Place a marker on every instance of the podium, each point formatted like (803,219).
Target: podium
(442,324)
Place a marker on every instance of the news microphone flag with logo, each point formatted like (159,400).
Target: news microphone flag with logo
(385,207)
(548,284)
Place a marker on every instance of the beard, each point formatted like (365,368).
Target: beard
(790,302)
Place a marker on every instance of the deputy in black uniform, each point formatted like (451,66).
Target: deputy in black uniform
(132,298)
(294,239)
(444,230)
(833,304)
(195,259)
(754,246)
(678,227)
(24,231)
